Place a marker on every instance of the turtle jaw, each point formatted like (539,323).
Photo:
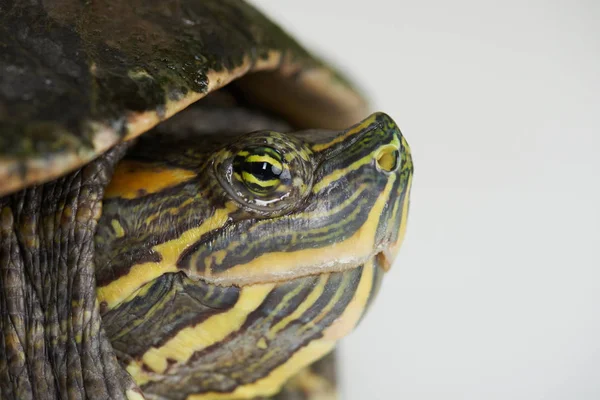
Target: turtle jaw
(355,211)
(387,256)
(355,208)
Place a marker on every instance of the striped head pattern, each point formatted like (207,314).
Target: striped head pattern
(227,263)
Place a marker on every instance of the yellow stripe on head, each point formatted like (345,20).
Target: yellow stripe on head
(140,274)
(357,129)
(277,266)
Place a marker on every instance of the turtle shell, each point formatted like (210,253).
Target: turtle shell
(78,77)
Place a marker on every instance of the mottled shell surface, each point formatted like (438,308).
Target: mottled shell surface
(77,77)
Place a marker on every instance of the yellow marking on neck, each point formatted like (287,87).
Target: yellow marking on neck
(132,178)
(272,383)
(314,295)
(143,291)
(118,228)
(262,343)
(343,286)
(346,322)
(363,125)
(140,274)
(195,338)
(336,257)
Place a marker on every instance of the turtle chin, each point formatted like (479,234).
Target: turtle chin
(372,272)
(254,337)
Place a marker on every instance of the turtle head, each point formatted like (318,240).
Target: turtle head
(307,203)
(227,263)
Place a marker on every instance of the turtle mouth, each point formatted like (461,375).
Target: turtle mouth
(382,258)
(385,259)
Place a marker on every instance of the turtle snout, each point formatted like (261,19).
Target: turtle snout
(398,164)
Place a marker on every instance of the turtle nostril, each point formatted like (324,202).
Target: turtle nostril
(387,158)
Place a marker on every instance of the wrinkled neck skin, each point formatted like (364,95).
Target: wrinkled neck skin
(203,296)
(52,342)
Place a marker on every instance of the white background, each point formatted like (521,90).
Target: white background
(496,293)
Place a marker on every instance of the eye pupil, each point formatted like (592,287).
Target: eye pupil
(264,171)
(260,169)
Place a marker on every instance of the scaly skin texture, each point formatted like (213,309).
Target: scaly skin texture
(52,343)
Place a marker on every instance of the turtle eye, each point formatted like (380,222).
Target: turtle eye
(260,169)
(266,172)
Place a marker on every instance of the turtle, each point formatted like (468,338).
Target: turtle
(192,205)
